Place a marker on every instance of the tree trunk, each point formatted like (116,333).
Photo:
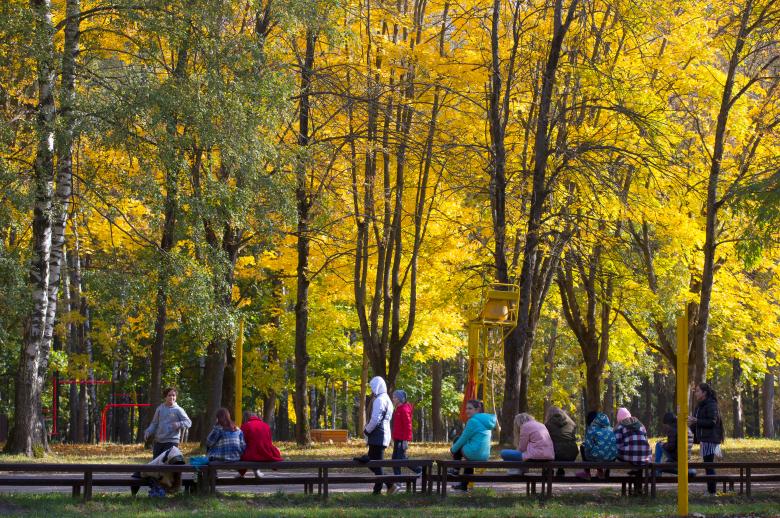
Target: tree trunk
(345,409)
(28,432)
(361,418)
(283,417)
(517,347)
(303,205)
(436,381)
(755,415)
(609,395)
(171,164)
(701,327)
(549,365)
(269,409)
(64,151)
(736,399)
(768,400)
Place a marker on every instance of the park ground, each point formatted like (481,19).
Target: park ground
(483,502)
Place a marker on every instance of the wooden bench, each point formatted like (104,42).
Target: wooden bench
(86,478)
(546,474)
(325,475)
(319,435)
(745,477)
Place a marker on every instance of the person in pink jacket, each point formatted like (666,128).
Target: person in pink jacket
(532,440)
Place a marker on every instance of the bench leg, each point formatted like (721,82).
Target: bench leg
(87,486)
(75,491)
(443,483)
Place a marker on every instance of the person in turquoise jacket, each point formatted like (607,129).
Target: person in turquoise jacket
(474,442)
(599,444)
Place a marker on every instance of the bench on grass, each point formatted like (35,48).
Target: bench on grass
(327,472)
(78,476)
(328,435)
(543,473)
(746,476)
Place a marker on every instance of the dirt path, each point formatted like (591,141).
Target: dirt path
(558,488)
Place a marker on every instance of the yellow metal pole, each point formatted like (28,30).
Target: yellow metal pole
(239,371)
(682,414)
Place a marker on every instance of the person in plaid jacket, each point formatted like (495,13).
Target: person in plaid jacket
(631,439)
(225,441)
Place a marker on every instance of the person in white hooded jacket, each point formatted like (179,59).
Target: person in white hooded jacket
(377,430)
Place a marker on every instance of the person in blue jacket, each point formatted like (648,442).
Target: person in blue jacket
(474,442)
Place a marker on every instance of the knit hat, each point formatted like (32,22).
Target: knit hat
(669,418)
(623,413)
(400,395)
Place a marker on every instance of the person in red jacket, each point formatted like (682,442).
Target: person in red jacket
(401,431)
(259,447)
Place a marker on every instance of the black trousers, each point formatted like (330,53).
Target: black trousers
(160,447)
(712,487)
(458,455)
(377,452)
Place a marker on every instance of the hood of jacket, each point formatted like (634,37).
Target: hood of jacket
(601,421)
(378,385)
(486,421)
(631,423)
(558,420)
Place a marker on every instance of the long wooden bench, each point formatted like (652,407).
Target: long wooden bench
(86,478)
(745,478)
(325,475)
(207,479)
(543,473)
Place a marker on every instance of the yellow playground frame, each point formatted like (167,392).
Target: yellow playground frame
(486,335)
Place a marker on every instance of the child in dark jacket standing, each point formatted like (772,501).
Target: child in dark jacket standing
(402,429)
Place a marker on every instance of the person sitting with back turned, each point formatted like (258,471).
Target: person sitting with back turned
(563,434)
(631,440)
(474,441)
(599,444)
(225,442)
(259,446)
(532,440)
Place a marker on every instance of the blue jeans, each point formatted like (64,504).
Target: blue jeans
(659,452)
(399,453)
(511,455)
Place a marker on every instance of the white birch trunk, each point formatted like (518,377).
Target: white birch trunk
(28,430)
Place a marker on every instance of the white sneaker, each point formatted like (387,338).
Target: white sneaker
(258,473)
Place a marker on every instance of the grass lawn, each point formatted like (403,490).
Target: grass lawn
(482,503)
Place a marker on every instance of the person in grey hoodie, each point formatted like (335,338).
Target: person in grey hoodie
(377,430)
(168,421)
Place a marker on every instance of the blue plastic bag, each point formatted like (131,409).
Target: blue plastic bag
(199,460)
